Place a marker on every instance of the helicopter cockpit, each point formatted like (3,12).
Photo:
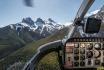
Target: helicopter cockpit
(83,52)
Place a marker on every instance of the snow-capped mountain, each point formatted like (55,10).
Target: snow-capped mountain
(43,27)
(27,30)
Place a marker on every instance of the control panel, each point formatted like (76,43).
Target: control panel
(84,53)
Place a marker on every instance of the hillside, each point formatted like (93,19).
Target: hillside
(24,54)
(16,36)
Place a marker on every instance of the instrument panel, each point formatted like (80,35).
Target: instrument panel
(84,53)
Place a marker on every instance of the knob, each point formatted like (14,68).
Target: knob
(82,57)
(97,62)
(97,53)
(90,46)
(76,51)
(89,54)
(97,46)
(82,51)
(76,57)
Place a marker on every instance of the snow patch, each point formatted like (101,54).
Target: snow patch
(11,26)
(92,13)
(24,24)
(67,23)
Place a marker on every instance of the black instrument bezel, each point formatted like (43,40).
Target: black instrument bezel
(83,39)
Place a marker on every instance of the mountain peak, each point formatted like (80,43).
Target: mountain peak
(50,20)
(28,21)
(39,26)
(40,21)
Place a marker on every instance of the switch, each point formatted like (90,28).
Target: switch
(89,62)
(82,63)
(76,63)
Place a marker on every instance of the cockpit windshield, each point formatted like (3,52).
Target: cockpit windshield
(24,27)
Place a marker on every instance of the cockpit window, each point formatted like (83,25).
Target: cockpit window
(23,29)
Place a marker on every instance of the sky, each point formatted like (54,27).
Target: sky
(62,11)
